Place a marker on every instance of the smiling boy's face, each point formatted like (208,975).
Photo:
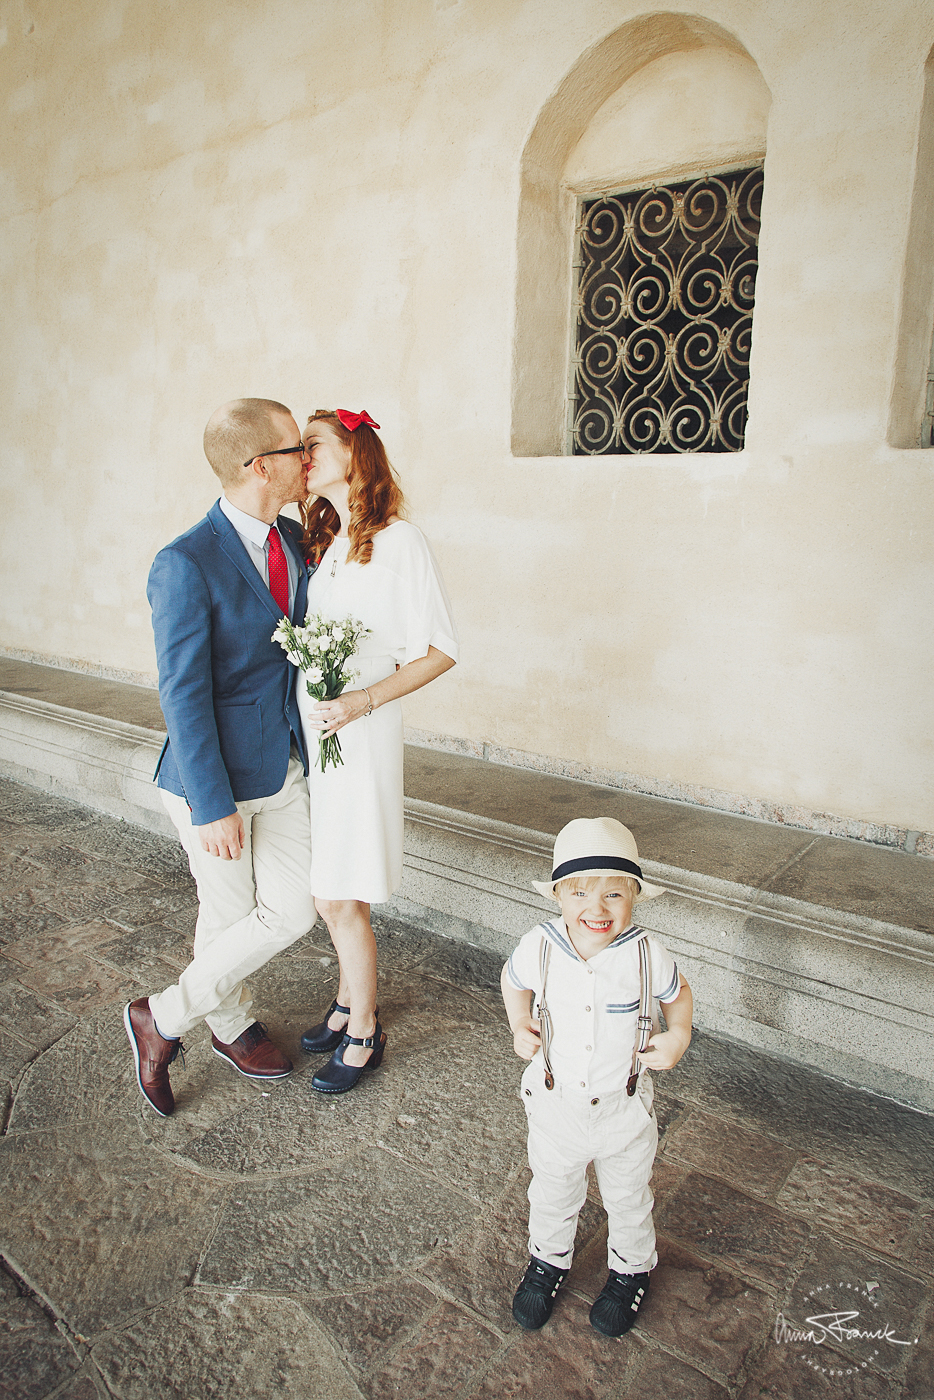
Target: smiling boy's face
(596,908)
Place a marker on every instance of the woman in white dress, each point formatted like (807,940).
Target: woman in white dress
(375,567)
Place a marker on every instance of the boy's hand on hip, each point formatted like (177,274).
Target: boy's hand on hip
(223,838)
(527,1039)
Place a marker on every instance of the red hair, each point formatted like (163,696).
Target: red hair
(375,495)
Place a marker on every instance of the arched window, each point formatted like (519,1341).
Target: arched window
(661,109)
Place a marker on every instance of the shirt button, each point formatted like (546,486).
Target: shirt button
(588,1047)
(586,1008)
(594,1102)
(583,1085)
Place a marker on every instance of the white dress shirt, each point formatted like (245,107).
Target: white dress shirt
(255,537)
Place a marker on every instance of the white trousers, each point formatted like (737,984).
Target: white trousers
(250,909)
(569,1129)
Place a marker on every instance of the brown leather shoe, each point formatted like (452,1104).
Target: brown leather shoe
(254,1054)
(153,1054)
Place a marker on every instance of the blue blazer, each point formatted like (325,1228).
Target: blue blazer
(226,688)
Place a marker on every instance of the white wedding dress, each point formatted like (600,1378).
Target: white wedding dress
(356,808)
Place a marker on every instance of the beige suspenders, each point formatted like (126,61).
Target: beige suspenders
(544,1015)
(643,1025)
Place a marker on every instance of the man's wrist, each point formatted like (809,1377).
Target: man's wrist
(211,820)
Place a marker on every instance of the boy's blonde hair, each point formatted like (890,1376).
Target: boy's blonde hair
(590,882)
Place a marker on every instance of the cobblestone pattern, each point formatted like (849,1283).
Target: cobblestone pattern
(271,1242)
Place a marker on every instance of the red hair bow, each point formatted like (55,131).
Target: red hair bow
(352,421)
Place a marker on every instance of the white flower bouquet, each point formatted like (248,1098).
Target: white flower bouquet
(319,649)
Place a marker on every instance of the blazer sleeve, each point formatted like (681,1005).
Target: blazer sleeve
(181,619)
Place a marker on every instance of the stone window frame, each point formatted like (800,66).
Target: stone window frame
(911,413)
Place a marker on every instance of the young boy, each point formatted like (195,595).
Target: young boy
(586,1098)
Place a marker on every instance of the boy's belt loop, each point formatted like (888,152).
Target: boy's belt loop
(544,1015)
(644,1024)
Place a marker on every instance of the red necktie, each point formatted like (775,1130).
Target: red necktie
(278,572)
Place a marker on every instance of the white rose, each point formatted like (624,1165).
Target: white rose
(315,674)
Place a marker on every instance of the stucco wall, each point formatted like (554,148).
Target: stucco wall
(324,203)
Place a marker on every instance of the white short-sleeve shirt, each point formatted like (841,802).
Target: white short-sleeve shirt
(594,1004)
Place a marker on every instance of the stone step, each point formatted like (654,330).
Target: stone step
(815,947)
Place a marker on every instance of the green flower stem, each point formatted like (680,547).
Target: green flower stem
(329,745)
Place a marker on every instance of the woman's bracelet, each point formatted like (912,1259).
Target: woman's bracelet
(369,703)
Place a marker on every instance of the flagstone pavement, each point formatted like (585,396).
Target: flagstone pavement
(270,1242)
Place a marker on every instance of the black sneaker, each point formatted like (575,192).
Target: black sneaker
(535,1296)
(618,1304)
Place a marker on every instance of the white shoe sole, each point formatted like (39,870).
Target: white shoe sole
(131,1035)
(282,1074)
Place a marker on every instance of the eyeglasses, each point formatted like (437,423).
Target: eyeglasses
(279,452)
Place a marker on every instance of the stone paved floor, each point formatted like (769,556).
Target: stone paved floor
(274,1243)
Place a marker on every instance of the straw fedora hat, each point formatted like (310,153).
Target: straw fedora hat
(596,846)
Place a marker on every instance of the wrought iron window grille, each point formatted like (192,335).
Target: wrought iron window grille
(665,291)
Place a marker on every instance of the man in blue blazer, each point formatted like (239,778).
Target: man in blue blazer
(232,772)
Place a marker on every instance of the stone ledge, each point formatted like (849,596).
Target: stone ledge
(105,763)
(715,800)
(815,979)
(106,696)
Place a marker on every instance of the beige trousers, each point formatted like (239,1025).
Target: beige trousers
(569,1129)
(250,909)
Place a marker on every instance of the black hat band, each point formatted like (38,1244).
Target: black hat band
(577,867)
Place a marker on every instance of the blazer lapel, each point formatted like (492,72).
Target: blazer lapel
(233,547)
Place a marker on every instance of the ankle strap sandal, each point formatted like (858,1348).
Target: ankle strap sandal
(320,1039)
(336,1077)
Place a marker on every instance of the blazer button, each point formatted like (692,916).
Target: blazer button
(528,1093)
(594,1102)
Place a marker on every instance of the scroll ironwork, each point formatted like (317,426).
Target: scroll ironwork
(664,324)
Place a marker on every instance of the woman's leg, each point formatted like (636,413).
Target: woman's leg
(348,922)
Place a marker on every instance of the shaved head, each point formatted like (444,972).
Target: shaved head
(239,430)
